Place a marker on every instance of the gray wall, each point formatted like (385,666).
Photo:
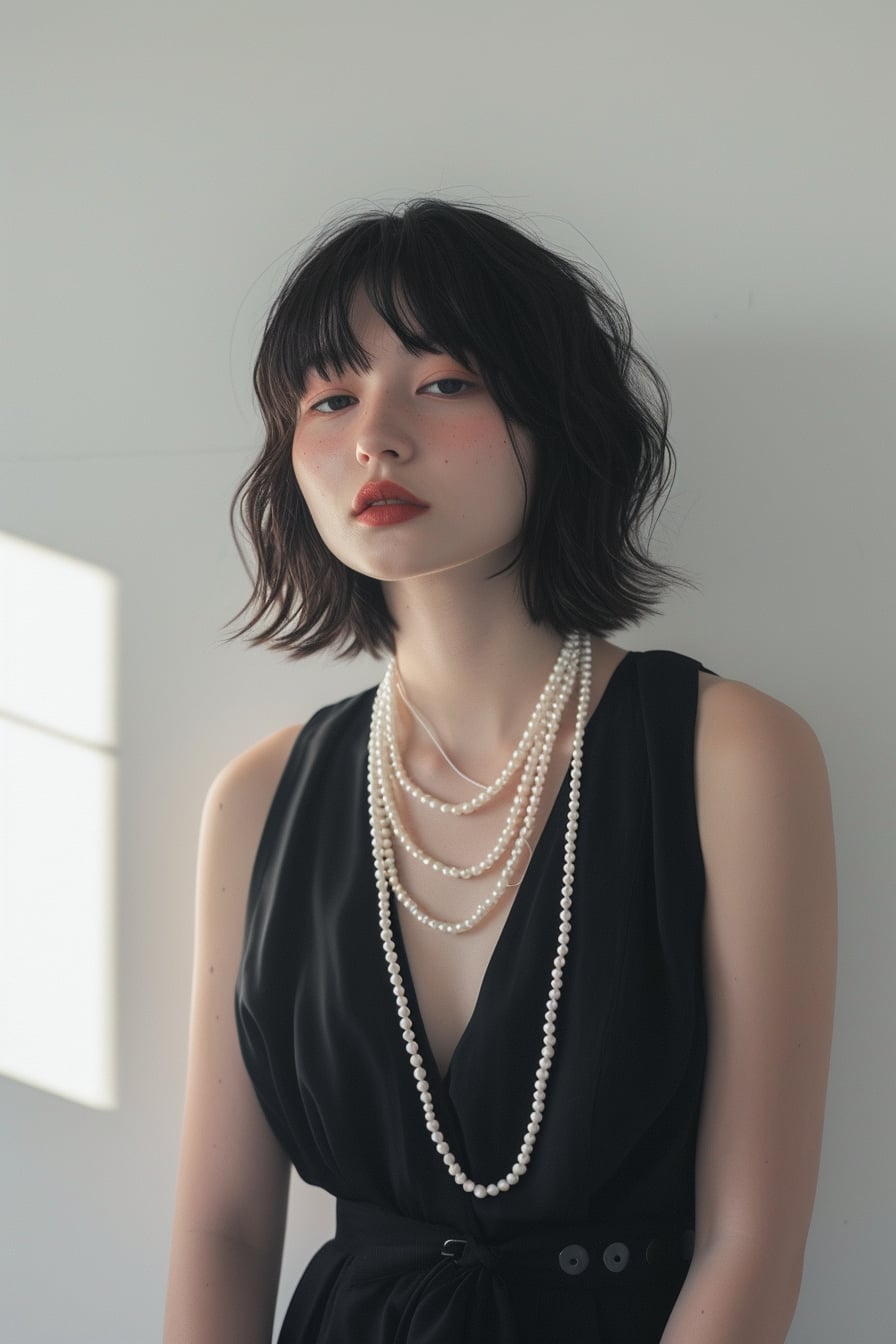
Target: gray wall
(728,164)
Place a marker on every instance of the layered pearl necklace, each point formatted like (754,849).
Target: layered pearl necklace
(535,749)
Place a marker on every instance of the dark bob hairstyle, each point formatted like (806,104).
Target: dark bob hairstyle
(554,352)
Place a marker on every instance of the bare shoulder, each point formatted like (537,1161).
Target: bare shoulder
(236,807)
(251,777)
(762,795)
(737,724)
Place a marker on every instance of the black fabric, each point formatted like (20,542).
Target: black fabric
(614,1160)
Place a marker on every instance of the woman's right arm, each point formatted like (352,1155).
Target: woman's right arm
(233,1175)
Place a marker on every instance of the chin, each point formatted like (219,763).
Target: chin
(396,561)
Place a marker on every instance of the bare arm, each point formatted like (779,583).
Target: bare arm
(233,1176)
(766,830)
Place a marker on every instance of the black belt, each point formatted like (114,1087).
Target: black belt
(544,1269)
(569,1248)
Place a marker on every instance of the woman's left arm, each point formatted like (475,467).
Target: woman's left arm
(770,952)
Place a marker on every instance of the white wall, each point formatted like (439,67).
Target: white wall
(729,164)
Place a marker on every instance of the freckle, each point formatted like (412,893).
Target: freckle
(220,807)
(212,969)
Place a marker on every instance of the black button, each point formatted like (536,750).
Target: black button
(659,1252)
(616,1256)
(573,1259)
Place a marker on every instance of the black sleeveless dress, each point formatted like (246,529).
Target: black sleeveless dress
(592,1245)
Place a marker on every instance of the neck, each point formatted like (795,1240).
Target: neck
(474,671)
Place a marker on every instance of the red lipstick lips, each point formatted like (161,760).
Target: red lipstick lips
(382,490)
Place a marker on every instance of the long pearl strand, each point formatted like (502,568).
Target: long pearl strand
(381,847)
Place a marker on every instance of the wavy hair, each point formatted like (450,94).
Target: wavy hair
(554,352)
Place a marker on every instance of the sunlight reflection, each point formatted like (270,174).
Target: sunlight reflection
(58,795)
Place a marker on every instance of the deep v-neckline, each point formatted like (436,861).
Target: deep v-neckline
(516,912)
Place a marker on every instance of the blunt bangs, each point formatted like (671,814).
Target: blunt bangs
(553,350)
(440,281)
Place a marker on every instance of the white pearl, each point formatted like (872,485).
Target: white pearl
(575,661)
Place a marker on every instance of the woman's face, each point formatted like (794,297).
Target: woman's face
(423,422)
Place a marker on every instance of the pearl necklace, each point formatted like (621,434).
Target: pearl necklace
(427,728)
(567,661)
(382,851)
(533,778)
(540,732)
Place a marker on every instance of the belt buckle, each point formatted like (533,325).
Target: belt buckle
(453,1248)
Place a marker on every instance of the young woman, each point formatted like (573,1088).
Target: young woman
(533,943)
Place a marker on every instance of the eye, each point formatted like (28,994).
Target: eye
(462,381)
(339,396)
(458,383)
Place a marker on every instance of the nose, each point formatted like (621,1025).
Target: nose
(382,434)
